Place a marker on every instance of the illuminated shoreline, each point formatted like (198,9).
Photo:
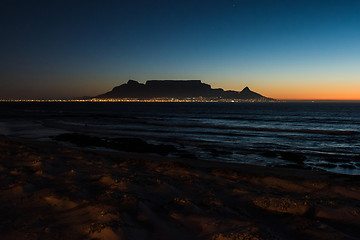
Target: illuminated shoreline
(165,100)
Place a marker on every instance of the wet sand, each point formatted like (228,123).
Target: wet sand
(49,191)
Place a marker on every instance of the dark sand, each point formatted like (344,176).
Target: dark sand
(49,191)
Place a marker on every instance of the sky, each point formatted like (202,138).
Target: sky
(295,49)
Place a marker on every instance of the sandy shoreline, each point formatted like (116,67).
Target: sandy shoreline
(49,191)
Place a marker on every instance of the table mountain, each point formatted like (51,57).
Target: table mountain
(178,89)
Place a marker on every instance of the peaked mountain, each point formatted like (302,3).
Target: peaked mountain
(177,89)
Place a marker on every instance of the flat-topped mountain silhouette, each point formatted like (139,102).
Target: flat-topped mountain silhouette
(178,89)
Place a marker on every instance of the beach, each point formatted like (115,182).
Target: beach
(53,191)
(180,120)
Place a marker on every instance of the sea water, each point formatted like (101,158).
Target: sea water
(315,135)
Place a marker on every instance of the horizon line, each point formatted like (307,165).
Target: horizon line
(165,100)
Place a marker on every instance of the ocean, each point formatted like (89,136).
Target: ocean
(321,136)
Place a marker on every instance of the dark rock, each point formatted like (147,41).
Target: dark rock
(293,166)
(216,152)
(293,157)
(80,140)
(326,165)
(270,154)
(187,155)
(122,144)
(347,166)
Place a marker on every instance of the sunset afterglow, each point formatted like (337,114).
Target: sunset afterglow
(282,49)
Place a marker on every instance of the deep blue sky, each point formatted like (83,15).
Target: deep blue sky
(282,49)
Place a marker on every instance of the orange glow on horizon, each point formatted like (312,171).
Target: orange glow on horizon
(315,94)
(336,86)
(308,91)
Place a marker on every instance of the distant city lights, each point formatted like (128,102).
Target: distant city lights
(199,99)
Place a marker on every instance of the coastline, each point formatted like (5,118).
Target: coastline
(52,191)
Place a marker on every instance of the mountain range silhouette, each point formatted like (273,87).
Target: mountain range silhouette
(178,89)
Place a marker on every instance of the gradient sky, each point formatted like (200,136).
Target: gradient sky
(306,49)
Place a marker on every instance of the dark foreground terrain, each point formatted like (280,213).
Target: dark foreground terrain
(48,191)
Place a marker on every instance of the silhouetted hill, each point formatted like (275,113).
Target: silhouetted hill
(177,89)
